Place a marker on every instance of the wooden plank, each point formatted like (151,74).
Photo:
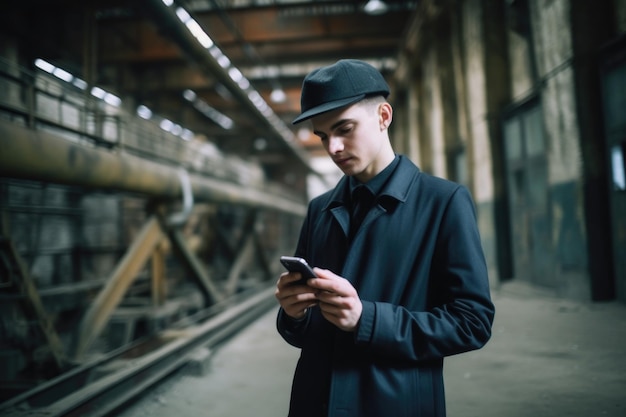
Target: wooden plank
(112,293)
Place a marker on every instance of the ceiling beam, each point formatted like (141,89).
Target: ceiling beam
(168,23)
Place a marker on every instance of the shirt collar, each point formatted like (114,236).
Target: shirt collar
(396,187)
(376,184)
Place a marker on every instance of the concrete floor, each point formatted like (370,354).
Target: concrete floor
(548,357)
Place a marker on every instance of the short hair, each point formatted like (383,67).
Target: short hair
(373,100)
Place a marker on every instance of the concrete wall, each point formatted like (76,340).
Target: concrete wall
(525,59)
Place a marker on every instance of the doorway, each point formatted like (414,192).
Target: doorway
(527,184)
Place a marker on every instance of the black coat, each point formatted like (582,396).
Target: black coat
(418,266)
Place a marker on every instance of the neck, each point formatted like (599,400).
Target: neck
(383,160)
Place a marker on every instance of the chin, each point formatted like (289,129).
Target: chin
(349,172)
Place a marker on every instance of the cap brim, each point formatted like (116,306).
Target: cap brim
(326,107)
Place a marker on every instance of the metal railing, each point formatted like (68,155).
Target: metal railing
(38,100)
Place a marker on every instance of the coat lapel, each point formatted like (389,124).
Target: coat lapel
(395,192)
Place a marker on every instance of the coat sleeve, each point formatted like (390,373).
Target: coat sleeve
(293,330)
(460,312)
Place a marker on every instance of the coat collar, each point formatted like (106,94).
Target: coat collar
(396,189)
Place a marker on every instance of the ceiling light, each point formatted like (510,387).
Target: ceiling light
(166,125)
(112,100)
(98,92)
(189,95)
(144,112)
(62,74)
(44,65)
(304,134)
(79,83)
(176,130)
(187,134)
(375,7)
(278,95)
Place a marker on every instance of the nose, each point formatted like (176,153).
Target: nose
(335,145)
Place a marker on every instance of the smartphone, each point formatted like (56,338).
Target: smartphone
(295,264)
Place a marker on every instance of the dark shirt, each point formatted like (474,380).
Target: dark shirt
(375,185)
(363,196)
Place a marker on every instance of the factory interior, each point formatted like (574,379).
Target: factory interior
(151,176)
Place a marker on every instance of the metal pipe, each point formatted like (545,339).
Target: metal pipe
(42,156)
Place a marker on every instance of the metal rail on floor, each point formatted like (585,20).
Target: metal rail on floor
(99,388)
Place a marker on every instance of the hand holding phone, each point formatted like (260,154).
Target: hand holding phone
(296,264)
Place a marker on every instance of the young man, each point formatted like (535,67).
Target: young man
(394,295)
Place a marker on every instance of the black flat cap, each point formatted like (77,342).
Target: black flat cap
(340,84)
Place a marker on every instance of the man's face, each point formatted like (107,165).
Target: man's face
(353,138)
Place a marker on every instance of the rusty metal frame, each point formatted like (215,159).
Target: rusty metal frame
(24,282)
(199,273)
(73,163)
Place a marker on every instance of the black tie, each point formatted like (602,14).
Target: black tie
(362,200)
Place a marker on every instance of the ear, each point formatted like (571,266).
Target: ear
(385,115)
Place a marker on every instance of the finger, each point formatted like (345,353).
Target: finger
(328,288)
(325,274)
(288,278)
(295,294)
(330,281)
(298,310)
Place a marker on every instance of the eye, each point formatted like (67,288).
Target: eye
(345,129)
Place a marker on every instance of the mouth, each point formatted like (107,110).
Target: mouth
(342,161)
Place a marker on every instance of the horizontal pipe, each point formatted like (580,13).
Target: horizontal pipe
(42,156)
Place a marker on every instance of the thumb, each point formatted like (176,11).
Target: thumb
(325,273)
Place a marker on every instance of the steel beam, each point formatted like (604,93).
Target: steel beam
(165,18)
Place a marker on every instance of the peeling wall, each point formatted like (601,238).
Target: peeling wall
(540,66)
